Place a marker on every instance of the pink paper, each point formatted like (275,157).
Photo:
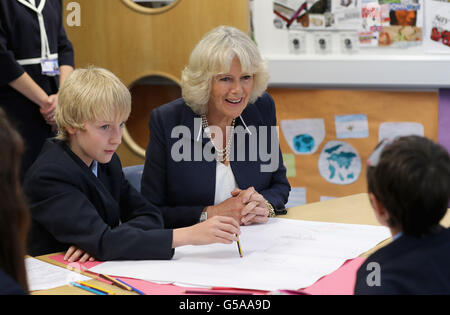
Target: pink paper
(340,282)
(149,288)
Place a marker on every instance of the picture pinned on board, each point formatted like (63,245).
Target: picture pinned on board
(304,136)
(339,163)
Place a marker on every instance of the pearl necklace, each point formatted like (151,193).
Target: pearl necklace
(222,154)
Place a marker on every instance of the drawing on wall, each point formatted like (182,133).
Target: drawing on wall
(393,129)
(351,126)
(396,23)
(304,136)
(289,163)
(316,14)
(437,38)
(339,163)
(301,14)
(300,26)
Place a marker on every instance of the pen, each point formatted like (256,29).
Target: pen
(132,288)
(116,282)
(95,287)
(87,288)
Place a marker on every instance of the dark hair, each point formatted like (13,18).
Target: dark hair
(14,215)
(412,181)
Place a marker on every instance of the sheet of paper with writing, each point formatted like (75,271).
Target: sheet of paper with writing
(42,275)
(281,254)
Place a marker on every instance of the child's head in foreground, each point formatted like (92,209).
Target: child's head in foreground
(93,105)
(409,184)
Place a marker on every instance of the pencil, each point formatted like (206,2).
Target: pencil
(132,288)
(116,282)
(96,287)
(239,248)
(87,288)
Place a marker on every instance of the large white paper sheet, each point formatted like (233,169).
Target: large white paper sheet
(281,254)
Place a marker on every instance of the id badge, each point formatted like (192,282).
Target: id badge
(50,67)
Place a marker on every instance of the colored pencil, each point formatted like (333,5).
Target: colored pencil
(87,288)
(95,287)
(133,288)
(116,282)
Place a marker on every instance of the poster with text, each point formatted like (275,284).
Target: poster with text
(437,17)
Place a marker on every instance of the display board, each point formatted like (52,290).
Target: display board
(326,136)
(382,43)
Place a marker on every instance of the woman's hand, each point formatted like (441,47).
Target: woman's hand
(217,229)
(53,101)
(255,210)
(48,112)
(74,253)
(231,207)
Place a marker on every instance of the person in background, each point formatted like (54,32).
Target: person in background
(409,189)
(78,195)
(224,111)
(35,58)
(14,216)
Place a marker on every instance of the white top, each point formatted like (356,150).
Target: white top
(225,182)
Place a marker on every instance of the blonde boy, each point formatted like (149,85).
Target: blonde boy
(80,201)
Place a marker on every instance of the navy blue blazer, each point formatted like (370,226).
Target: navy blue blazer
(410,265)
(182,189)
(8,286)
(103,215)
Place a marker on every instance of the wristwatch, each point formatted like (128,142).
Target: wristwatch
(204,216)
(271,209)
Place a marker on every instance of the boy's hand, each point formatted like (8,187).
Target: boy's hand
(218,229)
(74,253)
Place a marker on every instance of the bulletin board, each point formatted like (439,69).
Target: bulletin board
(340,43)
(319,127)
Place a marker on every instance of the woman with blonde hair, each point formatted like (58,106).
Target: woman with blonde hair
(215,151)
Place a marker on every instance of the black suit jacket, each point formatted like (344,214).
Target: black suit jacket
(410,265)
(8,286)
(20,39)
(103,215)
(183,188)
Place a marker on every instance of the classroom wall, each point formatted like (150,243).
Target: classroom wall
(136,44)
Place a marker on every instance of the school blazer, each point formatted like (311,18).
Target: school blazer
(409,265)
(182,189)
(8,286)
(104,215)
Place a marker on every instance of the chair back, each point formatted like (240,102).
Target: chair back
(134,174)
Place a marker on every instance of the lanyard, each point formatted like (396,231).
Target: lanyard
(45,48)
